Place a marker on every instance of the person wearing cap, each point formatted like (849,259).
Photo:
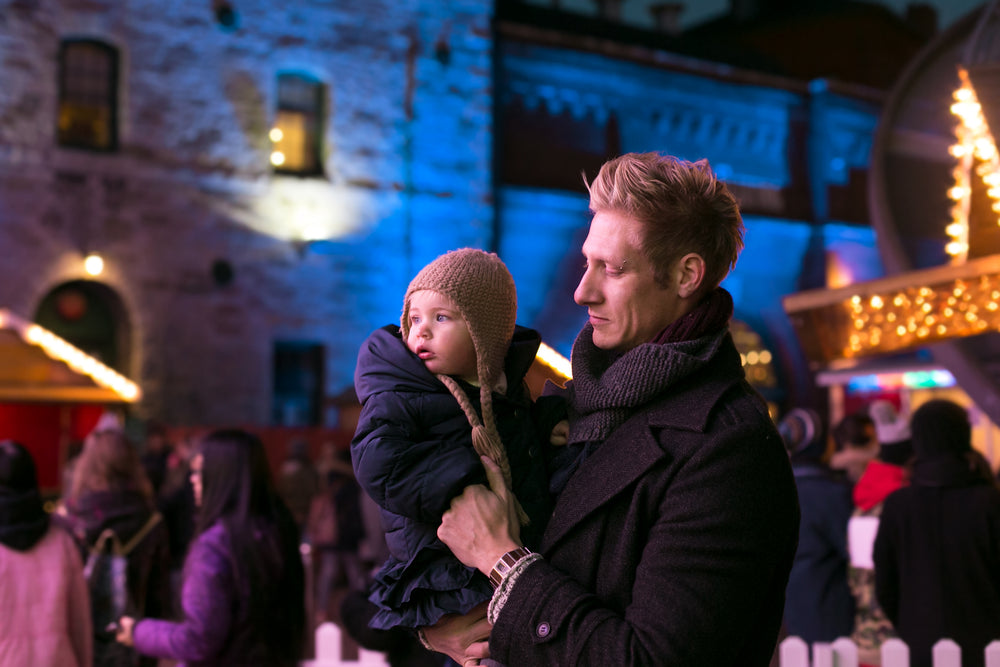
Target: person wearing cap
(672,541)
(438,392)
(819,606)
(883,475)
(937,550)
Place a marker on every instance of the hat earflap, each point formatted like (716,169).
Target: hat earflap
(485,438)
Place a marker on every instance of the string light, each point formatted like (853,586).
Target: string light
(974,142)
(81,362)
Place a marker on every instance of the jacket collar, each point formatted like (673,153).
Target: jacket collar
(632,449)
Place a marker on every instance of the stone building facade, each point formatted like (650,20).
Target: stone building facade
(237,291)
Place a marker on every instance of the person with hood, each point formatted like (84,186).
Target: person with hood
(437,393)
(819,606)
(883,475)
(937,551)
(40,571)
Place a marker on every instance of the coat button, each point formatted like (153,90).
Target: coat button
(542,630)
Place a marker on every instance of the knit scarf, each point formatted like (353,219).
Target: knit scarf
(608,387)
(23,521)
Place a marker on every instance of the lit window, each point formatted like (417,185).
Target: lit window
(296,138)
(88,95)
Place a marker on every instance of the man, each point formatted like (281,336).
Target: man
(672,541)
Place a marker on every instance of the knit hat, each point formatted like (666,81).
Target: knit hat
(941,426)
(480,285)
(801,430)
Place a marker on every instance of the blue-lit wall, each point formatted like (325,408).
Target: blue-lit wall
(791,151)
(415,91)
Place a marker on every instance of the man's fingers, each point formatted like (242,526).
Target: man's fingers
(495,477)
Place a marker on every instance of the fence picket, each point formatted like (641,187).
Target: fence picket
(793,652)
(845,653)
(993,654)
(895,653)
(947,653)
(822,654)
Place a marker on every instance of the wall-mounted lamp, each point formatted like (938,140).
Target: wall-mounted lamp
(93,264)
(224,13)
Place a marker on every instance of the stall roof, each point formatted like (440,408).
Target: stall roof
(38,366)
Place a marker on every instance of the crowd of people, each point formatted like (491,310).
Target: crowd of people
(899,533)
(649,512)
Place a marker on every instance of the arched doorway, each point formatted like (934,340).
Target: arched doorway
(92,317)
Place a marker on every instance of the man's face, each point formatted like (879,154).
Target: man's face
(440,337)
(626,306)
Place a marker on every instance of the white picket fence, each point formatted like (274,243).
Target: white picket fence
(794,652)
(329,651)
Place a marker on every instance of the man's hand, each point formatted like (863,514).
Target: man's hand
(465,639)
(482,524)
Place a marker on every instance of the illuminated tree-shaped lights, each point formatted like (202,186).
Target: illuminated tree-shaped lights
(974,143)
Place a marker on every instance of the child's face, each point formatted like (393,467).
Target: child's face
(440,337)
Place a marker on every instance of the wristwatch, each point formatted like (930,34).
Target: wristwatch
(505,563)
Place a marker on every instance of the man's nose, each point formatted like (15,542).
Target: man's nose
(585,292)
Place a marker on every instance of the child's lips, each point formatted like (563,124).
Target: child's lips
(424,354)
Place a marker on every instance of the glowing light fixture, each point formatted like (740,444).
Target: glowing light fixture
(554,360)
(277,158)
(81,362)
(276,134)
(93,264)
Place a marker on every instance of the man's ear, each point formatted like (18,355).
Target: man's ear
(690,275)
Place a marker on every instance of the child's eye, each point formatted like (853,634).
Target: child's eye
(414,319)
(442,318)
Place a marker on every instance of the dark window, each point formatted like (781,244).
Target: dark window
(298,383)
(88,95)
(296,138)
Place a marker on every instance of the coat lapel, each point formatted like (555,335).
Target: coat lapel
(632,449)
(623,458)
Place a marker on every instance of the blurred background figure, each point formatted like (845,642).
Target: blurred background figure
(176,503)
(883,475)
(819,606)
(937,551)
(298,482)
(156,454)
(243,592)
(335,531)
(855,444)
(46,609)
(110,491)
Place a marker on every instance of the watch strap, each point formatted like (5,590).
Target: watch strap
(505,563)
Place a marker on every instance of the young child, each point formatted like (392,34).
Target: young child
(436,393)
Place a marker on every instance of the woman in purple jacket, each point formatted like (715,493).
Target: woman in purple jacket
(243,592)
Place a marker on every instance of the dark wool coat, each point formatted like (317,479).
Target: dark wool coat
(937,559)
(820,607)
(413,453)
(670,545)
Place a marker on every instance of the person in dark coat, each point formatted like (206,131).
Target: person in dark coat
(937,551)
(819,607)
(243,593)
(437,393)
(672,541)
